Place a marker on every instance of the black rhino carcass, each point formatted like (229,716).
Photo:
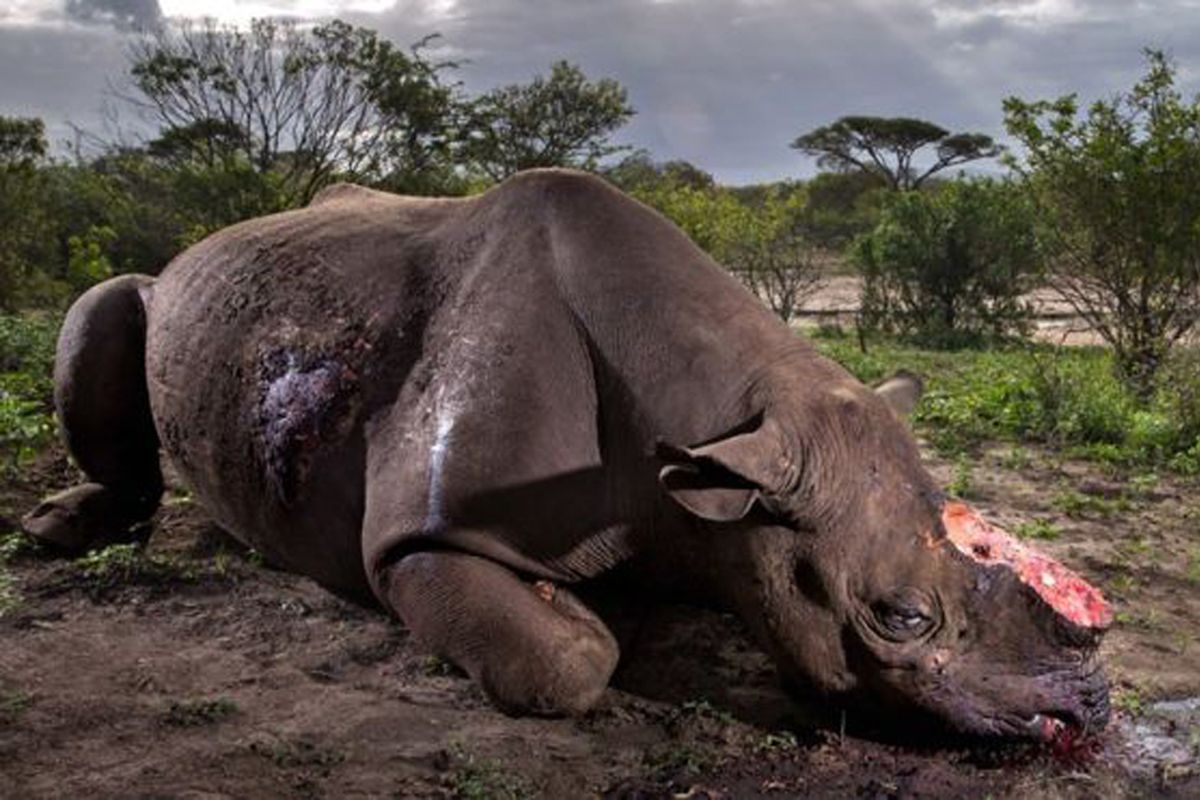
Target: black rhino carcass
(466,409)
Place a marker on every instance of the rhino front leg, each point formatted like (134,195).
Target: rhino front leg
(533,649)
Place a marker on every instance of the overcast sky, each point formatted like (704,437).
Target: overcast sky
(725,84)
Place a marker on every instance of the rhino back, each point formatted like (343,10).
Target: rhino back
(269,344)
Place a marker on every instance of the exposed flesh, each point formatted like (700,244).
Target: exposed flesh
(1063,590)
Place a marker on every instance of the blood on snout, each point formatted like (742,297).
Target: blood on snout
(1061,589)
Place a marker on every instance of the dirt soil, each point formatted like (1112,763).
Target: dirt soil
(192,670)
(1054,320)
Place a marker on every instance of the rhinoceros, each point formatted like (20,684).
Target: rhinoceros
(469,410)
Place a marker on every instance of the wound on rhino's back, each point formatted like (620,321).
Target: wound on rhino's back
(304,401)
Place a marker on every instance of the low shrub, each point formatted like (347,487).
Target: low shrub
(26,387)
(951,264)
(1065,397)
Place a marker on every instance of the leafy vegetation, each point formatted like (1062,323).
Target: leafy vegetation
(1067,397)
(257,119)
(126,564)
(549,122)
(1115,190)
(763,237)
(12,545)
(475,778)
(10,594)
(26,365)
(1039,529)
(953,262)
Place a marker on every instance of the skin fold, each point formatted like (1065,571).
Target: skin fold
(472,411)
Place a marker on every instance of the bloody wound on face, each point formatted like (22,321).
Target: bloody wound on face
(1064,591)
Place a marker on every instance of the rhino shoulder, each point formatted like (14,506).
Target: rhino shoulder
(346,192)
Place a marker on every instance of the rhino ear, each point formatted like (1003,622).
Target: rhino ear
(720,481)
(902,392)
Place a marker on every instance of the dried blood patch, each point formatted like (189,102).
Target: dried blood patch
(1064,591)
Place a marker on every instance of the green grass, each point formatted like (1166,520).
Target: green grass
(702,709)
(130,565)
(475,778)
(680,759)
(1077,504)
(1128,700)
(776,743)
(1021,393)
(1040,529)
(1016,459)
(962,484)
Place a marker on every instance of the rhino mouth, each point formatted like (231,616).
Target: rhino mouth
(1050,728)
(1082,710)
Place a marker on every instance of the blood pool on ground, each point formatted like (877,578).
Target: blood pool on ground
(1063,590)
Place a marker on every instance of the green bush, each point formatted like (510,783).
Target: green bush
(950,263)
(26,388)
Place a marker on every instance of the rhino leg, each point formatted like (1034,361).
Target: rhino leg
(533,648)
(104,409)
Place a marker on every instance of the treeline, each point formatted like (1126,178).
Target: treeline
(253,121)
(1098,203)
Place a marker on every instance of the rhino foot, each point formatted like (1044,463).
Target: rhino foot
(533,649)
(82,517)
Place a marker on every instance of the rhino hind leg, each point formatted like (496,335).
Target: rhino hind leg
(532,648)
(104,410)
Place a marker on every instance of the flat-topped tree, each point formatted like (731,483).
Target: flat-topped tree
(886,146)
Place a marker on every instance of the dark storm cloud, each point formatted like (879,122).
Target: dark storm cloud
(728,84)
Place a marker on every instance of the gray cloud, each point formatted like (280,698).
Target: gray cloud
(727,84)
(121,14)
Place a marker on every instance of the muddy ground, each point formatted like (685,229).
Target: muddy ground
(194,670)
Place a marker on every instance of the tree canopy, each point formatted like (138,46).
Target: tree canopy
(887,146)
(303,103)
(951,263)
(1116,192)
(557,121)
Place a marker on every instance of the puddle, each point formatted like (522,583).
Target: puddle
(1163,741)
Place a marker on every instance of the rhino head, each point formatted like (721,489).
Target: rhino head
(836,548)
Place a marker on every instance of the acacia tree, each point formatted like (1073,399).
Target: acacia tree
(1116,189)
(886,147)
(560,121)
(304,103)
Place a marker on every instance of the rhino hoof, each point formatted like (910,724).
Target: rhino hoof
(78,518)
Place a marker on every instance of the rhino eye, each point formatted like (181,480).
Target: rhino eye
(901,621)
